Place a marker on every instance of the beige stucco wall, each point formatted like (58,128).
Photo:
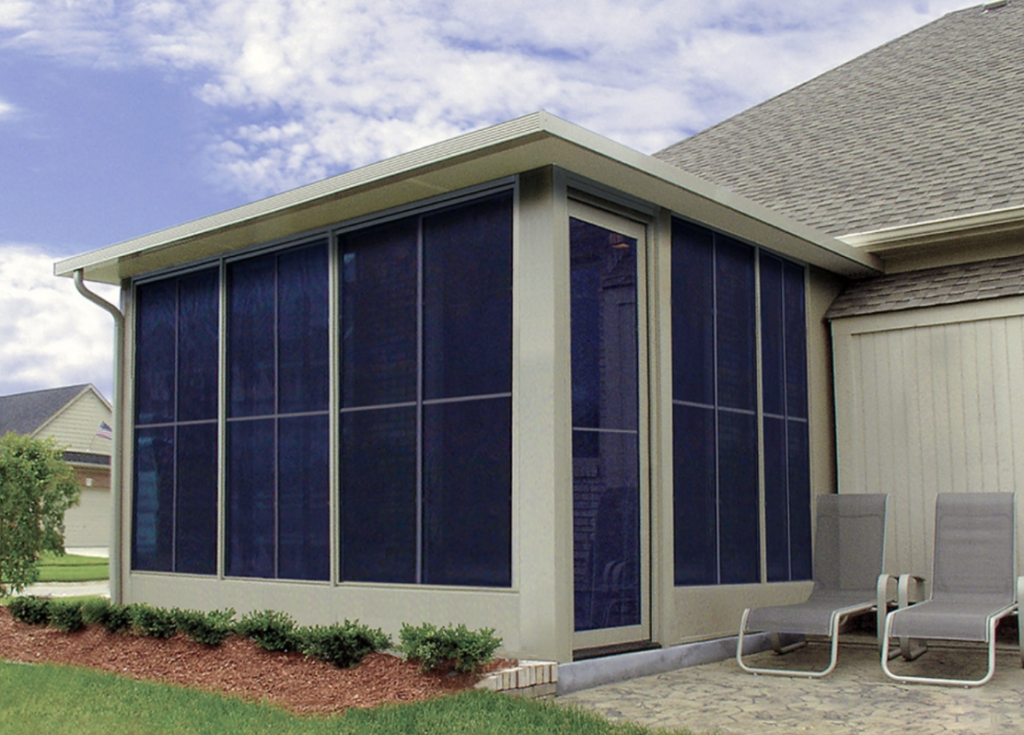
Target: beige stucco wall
(930,401)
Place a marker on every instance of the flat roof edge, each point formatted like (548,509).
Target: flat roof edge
(837,255)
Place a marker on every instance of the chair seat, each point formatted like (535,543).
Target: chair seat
(812,617)
(964,619)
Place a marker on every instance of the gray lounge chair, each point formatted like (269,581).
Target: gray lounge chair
(849,550)
(972,583)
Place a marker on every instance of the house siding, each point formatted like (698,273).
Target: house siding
(930,401)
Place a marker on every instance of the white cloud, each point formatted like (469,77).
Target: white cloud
(49,334)
(314,87)
(7,110)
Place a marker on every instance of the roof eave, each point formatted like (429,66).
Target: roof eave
(509,148)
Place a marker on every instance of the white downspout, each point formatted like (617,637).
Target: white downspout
(116,467)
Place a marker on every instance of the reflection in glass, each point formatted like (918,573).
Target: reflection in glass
(605,390)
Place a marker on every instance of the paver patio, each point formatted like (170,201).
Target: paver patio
(856,698)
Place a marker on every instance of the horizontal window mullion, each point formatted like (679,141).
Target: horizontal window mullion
(463,399)
(266,416)
(632,432)
(378,407)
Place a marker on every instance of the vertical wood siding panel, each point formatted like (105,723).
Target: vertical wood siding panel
(988,424)
(970,389)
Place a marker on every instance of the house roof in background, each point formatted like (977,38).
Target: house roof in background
(926,127)
(24,413)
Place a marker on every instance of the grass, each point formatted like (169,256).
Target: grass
(58,699)
(73,568)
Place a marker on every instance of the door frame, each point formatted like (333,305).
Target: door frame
(638,634)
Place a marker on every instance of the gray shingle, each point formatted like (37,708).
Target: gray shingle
(23,413)
(930,125)
(954,284)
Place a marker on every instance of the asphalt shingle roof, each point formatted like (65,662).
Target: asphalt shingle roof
(954,284)
(23,413)
(928,126)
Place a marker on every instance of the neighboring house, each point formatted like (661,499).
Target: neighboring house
(526,378)
(79,418)
(914,153)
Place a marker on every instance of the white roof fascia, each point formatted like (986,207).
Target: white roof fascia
(516,146)
(934,232)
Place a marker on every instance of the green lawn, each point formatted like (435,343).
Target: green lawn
(73,568)
(45,698)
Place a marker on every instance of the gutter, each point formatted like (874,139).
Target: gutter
(116,461)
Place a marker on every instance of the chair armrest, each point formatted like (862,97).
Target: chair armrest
(883,598)
(903,594)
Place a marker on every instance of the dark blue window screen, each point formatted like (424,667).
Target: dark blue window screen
(174,511)
(715,392)
(784,381)
(278,482)
(467,501)
(426,364)
(379,529)
(605,421)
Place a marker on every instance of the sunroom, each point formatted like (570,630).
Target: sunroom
(526,379)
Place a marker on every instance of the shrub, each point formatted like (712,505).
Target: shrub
(342,645)
(30,609)
(206,628)
(272,630)
(465,650)
(65,615)
(100,611)
(153,622)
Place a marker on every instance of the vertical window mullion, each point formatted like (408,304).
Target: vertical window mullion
(420,271)
(785,433)
(277,417)
(174,408)
(759,408)
(714,371)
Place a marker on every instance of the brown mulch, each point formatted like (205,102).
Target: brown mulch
(237,667)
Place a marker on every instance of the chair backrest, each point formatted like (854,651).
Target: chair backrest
(849,542)
(974,552)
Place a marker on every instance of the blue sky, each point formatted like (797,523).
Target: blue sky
(122,117)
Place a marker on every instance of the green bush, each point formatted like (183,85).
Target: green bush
(66,616)
(153,622)
(463,649)
(30,609)
(206,628)
(272,630)
(342,645)
(101,611)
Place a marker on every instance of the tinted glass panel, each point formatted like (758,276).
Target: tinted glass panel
(378,495)
(796,341)
(379,277)
(799,500)
(152,535)
(693,316)
(604,328)
(303,505)
(776,500)
(695,496)
(156,309)
(734,280)
(251,337)
(195,549)
(303,371)
(606,534)
(467,480)
(467,300)
(773,370)
(738,498)
(251,516)
(198,340)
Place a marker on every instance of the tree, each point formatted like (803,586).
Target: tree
(36,487)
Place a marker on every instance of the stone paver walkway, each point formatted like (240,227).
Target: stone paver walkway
(857,698)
